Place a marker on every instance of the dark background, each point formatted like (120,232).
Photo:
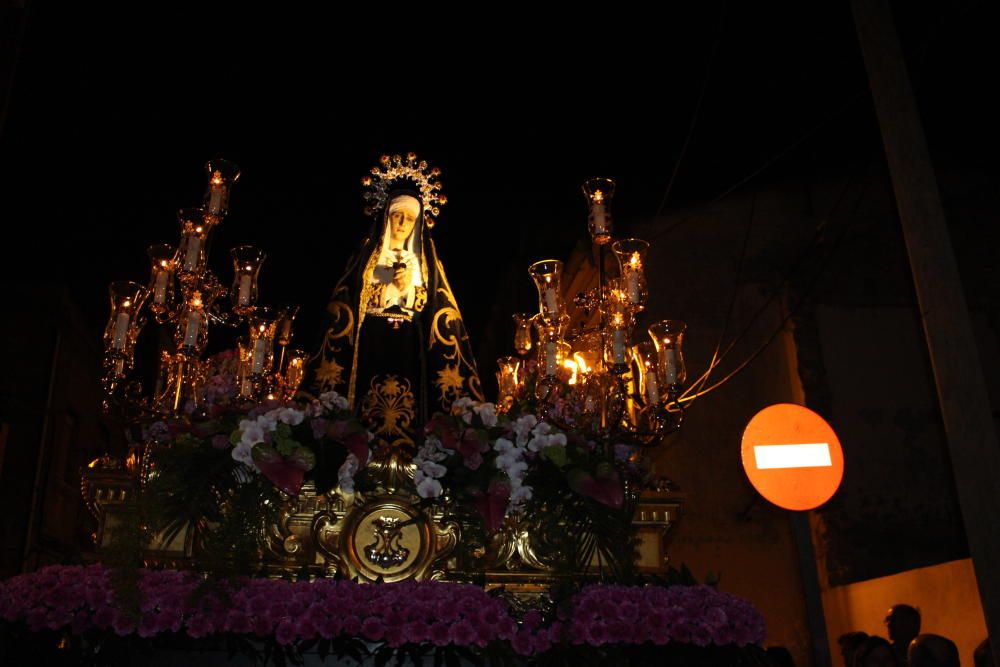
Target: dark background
(112,116)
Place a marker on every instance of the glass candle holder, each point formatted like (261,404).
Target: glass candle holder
(284,332)
(221,176)
(631,254)
(549,357)
(191,254)
(522,332)
(191,334)
(123,325)
(247,261)
(508,381)
(668,337)
(161,277)
(547,274)
(618,315)
(647,378)
(263,323)
(598,192)
(244,386)
(587,352)
(295,371)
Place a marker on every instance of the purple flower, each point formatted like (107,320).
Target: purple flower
(373,628)
(284,634)
(439,634)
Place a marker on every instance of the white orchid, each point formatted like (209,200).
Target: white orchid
(251,433)
(488,413)
(345,475)
(244,454)
(428,487)
(331,400)
(290,416)
(503,446)
(522,427)
(432,469)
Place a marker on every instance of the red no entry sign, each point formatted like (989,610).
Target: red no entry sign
(792,456)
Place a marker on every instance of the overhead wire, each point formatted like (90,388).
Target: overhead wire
(793,310)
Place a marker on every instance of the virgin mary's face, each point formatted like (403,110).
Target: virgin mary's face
(403,212)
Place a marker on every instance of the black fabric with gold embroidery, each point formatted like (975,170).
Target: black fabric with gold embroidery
(397,366)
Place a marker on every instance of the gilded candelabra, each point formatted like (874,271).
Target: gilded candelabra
(185,295)
(598,380)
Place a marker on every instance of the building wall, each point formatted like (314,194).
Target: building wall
(51,424)
(945,594)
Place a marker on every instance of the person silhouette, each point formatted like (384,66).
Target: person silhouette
(903,624)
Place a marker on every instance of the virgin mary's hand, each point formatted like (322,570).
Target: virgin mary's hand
(402,277)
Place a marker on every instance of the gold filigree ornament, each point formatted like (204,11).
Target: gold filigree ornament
(389,409)
(397,170)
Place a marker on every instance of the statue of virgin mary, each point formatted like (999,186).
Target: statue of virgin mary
(395,344)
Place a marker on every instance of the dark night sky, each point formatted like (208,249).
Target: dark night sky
(112,117)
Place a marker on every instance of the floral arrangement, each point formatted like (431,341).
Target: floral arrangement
(515,464)
(81,600)
(281,440)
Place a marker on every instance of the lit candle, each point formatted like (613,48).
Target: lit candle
(670,365)
(551,301)
(215,199)
(191,255)
(286,330)
(160,287)
(551,358)
(632,280)
(618,346)
(244,294)
(121,330)
(193,328)
(600,218)
(259,352)
(652,387)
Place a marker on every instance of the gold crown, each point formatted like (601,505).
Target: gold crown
(395,171)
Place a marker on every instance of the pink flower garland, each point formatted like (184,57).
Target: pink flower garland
(439,613)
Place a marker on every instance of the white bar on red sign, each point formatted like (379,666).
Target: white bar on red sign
(792,456)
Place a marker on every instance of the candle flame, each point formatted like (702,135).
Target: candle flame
(635,260)
(126,304)
(164,263)
(598,196)
(196,300)
(571,365)
(217,178)
(617,320)
(198,229)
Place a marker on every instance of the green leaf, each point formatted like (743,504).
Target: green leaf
(235,437)
(556,454)
(286,446)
